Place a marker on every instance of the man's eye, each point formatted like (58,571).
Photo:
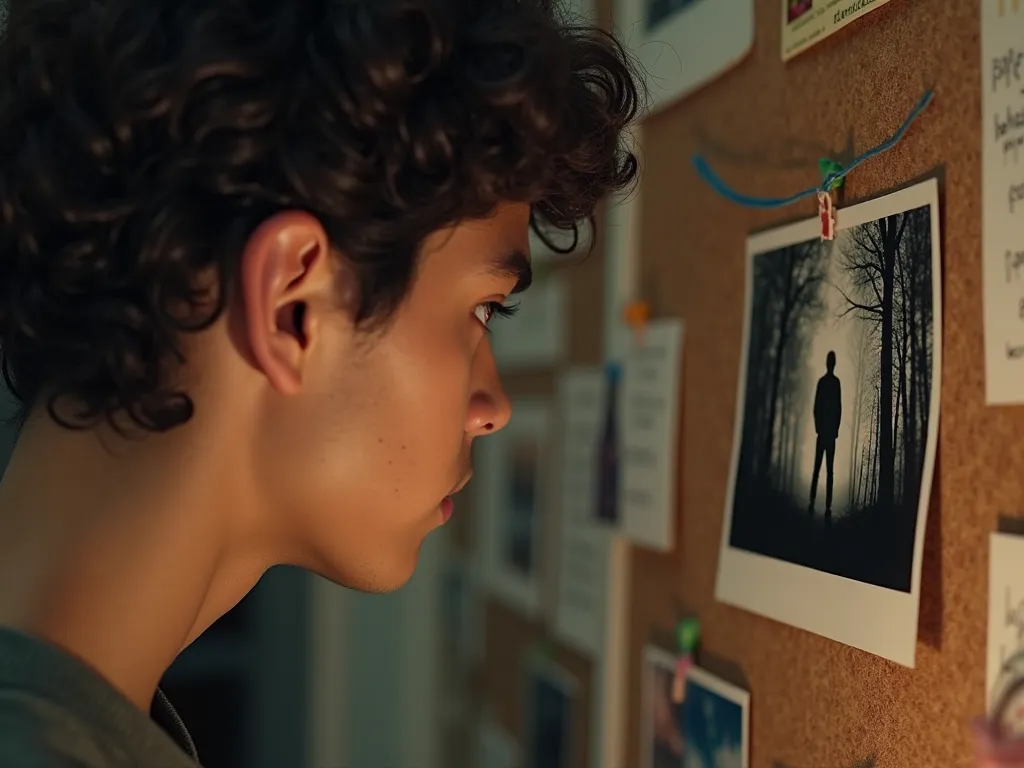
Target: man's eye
(488,310)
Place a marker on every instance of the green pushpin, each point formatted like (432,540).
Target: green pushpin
(687,635)
(827,167)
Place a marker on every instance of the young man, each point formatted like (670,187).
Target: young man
(249,254)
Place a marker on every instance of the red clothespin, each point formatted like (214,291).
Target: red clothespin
(827,215)
(636,315)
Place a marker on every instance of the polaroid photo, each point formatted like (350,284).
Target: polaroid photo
(513,483)
(661,722)
(837,416)
(684,44)
(550,693)
(716,722)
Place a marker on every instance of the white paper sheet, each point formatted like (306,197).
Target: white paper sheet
(584,545)
(649,408)
(1005,613)
(1002,198)
(683,45)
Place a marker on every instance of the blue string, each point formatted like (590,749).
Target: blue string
(705,172)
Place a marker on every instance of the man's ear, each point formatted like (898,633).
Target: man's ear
(284,266)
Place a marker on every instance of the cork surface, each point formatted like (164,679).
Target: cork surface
(816,703)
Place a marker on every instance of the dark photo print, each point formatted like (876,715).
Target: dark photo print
(836,412)
(522,506)
(550,705)
(658,11)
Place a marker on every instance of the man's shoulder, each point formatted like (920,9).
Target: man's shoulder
(36,732)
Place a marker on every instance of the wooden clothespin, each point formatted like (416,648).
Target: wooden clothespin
(830,182)
(637,314)
(827,215)
(687,637)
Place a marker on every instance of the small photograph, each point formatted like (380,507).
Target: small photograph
(797,8)
(662,720)
(716,716)
(657,11)
(837,421)
(512,487)
(549,697)
(523,492)
(609,468)
(460,602)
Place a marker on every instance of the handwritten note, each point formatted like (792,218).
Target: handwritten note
(585,545)
(1005,612)
(1002,184)
(650,429)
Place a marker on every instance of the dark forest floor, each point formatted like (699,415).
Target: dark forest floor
(872,545)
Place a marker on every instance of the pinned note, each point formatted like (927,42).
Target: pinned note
(585,546)
(1002,198)
(1005,621)
(650,432)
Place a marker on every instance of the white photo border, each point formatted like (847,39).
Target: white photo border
(531,416)
(654,656)
(874,619)
(536,668)
(730,692)
(690,48)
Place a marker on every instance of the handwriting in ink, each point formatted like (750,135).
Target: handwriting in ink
(1014,620)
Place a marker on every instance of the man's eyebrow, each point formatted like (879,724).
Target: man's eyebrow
(514,265)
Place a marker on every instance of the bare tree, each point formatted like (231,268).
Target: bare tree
(869,257)
(795,275)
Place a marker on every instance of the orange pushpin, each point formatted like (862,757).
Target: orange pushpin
(636,315)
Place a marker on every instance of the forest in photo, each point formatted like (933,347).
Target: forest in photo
(837,401)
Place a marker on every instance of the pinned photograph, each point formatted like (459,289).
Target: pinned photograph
(716,721)
(462,611)
(512,488)
(523,490)
(659,11)
(836,424)
(682,45)
(797,8)
(549,698)
(662,719)
(807,22)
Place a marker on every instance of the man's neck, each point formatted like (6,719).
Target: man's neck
(118,558)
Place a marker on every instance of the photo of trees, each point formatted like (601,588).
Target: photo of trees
(837,403)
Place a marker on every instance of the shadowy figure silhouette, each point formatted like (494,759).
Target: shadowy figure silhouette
(828,413)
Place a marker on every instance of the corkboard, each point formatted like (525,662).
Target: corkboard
(816,703)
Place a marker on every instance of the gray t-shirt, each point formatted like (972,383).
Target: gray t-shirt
(55,712)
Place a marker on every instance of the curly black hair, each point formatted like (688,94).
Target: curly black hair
(142,142)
